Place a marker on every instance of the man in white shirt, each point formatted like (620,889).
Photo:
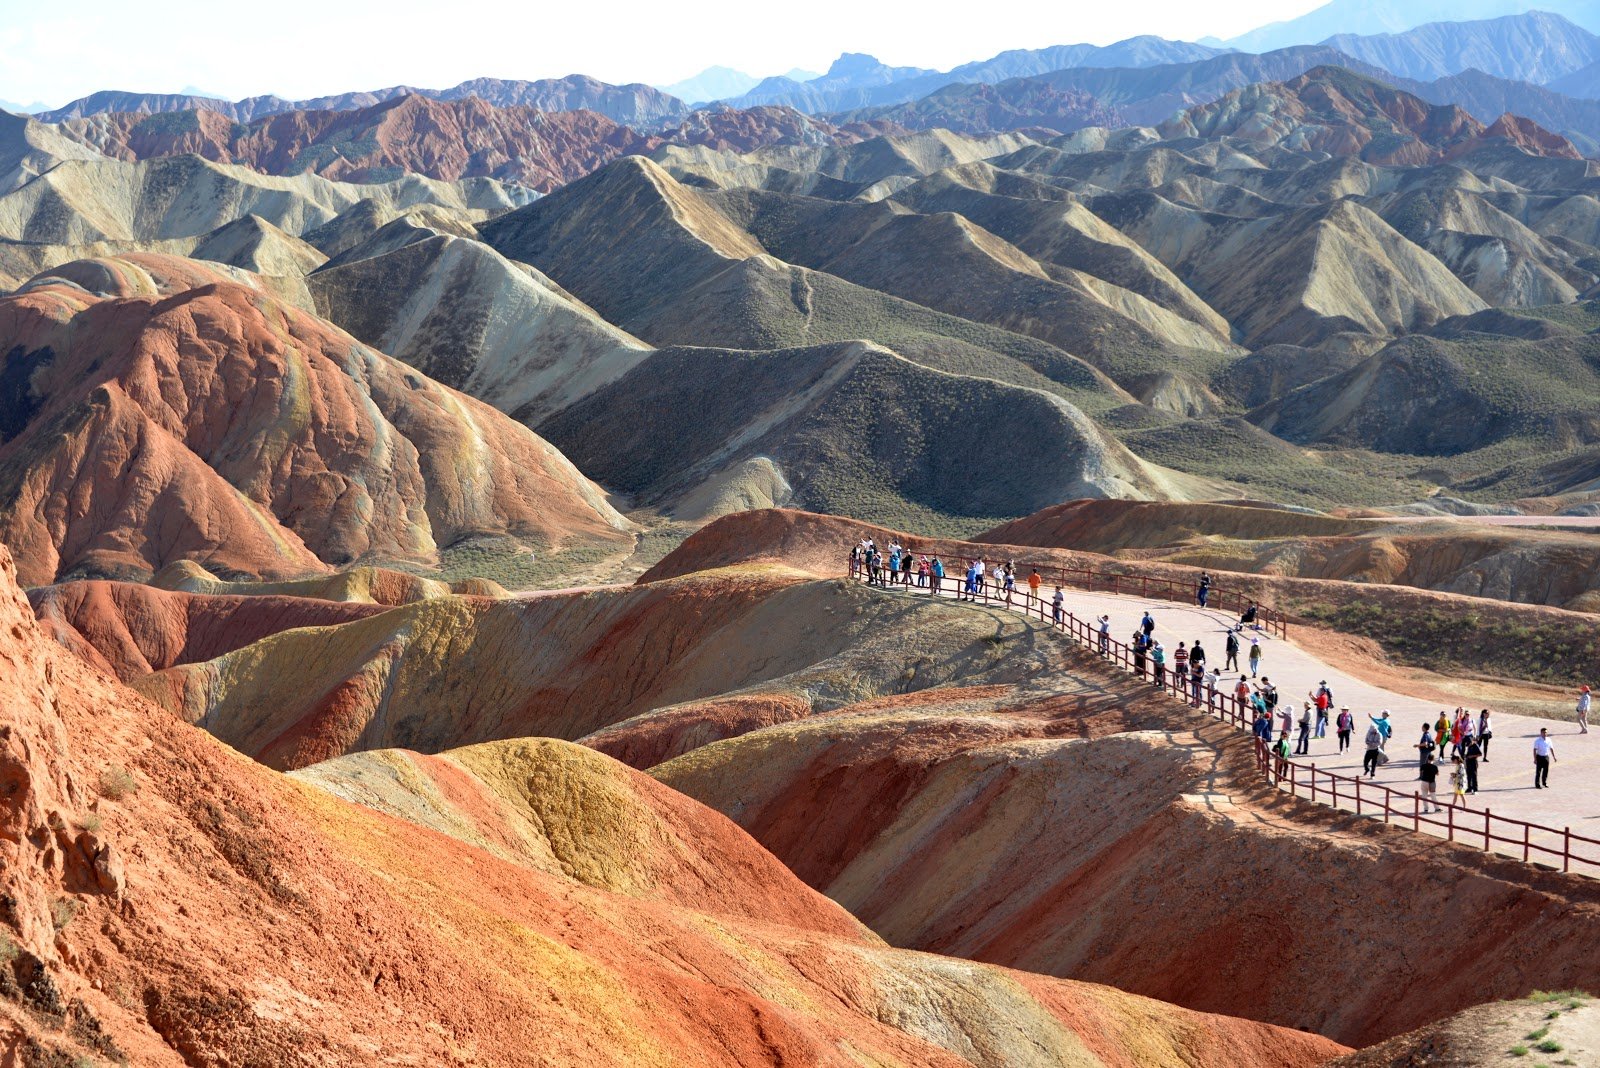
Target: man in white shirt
(1543,753)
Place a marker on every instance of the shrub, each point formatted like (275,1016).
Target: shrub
(117,782)
(62,912)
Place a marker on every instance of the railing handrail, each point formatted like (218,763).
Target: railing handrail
(1228,708)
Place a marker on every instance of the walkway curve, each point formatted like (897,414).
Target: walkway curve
(1571,805)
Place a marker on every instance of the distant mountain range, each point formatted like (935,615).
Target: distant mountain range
(724,83)
(1396,16)
(635,104)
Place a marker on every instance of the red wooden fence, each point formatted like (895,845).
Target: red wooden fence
(1471,826)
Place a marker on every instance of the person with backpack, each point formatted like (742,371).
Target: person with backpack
(1147,624)
(1324,710)
(1345,724)
(1140,652)
(1471,753)
(1203,591)
(1231,650)
(1255,657)
(1241,692)
(1269,693)
(1369,763)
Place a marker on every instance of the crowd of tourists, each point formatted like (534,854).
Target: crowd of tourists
(1460,739)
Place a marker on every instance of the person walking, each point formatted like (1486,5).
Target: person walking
(1458,781)
(1457,732)
(1425,747)
(1470,754)
(1430,785)
(1147,624)
(1058,607)
(1230,650)
(1344,724)
(1543,754)
(1009,581)
(1485,732)
(1583,710)
(1441,731)
(1197,655)
(1105,635)
(1204,590)
(1033,585)
(1369,763)
(1303,744)
(1255,657)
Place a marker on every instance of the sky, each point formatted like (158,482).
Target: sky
(53,53)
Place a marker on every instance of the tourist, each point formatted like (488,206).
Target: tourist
(1369,763)
(1147,624)
(1261,725)
(1281,751)
(1430,785)
(1140,648)
(1058,607)
(922,572)
(1425,746)
(1485,732)
(1158,662)
(1441,731)
(1458,782)
(1383,725)
(1180,664)
(1197,678)
(894,562)
(1303,744)
(1105,635)
(1033,586)
(1322,697)
(978,579)
(1231,649)
(1269,693)
(935,576)
(1583,710)
(1344,724)
(1009,581)
(1543,754)
(1247,618)
(1204,590)
(1457,732)
(1286,717)
(1470,754)
(905,569)
(1197,655)
(1241,693)
(1255,656)
(1213,680)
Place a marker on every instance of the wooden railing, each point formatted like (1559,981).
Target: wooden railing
(1473,827)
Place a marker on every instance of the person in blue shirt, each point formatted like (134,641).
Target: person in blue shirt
(1385,728)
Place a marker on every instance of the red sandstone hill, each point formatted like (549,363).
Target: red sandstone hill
(1333,110)
(168,902)
(184,416)
(445,139)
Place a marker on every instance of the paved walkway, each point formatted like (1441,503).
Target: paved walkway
(1505,780)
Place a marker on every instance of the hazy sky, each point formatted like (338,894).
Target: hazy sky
(54,52)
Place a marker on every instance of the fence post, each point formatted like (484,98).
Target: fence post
(1450,823)
(1387,805)
(1313,784)
(1358,797)
(1487,848)
(1525,842)
(1566,849)
(1416,812)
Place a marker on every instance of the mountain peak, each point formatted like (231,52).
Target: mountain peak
(850,63)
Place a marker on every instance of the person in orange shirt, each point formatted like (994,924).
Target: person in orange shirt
(1033,585)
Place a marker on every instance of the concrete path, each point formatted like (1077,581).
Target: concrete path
(1505,780)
